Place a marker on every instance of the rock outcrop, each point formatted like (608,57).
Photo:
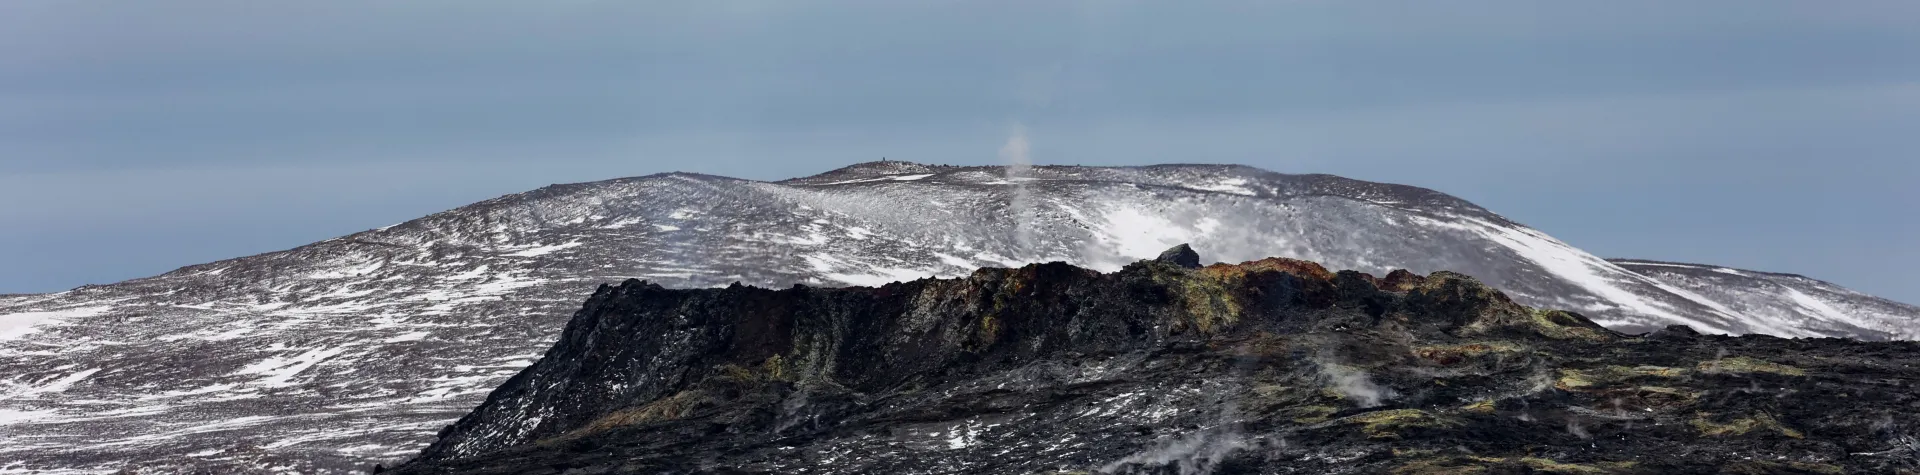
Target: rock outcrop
(1271,366)
(1182,255)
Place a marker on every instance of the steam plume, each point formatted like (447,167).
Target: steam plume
(1019,168)
(1356,386)
(1194,454)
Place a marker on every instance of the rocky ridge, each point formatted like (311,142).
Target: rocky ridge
(1270,366)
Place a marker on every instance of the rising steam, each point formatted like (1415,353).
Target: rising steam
(1019,168)
(1356,386)
(1194,454)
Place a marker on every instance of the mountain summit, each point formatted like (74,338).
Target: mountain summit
(334,355)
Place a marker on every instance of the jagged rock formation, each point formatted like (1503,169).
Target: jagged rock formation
(1272,366)
(356,350)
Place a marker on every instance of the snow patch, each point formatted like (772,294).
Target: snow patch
(1133,234)
(1237,186)
(279,372)
(14,416)
(15,325)
(621,223)
(228,335)
(538,251)
(963,436)
(836,270)
(1570,264)
(813,238)
(348,271)
(64,383)
(955,261)
(476,273)
(884,178)
(1660,264)
(1822,309)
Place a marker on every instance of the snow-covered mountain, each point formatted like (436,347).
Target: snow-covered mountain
(338,354)
(1813,306)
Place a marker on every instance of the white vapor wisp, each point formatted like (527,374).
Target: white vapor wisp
(1019,169)
(1356,385)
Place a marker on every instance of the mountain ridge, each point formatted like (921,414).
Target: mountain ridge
(1628,260)
(374,340)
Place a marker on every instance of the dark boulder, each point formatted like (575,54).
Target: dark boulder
(1181,255)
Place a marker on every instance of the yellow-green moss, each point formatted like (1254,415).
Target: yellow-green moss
(1742,364)
(1311,414)
(1206,298)
(1474,465)
(1666,390)
(776,368)
(1269,391)
(1451,354)
(1660,397)
(1501,313)
(1561,325)
(1572,379)
(668,408)
(1263,345)
(1704,423)
(1004,296)
(1388,424)
(1483,407)
(1762,468)
(739,373)
(1553,466)
(1279,401)
(989,330)
(1440,466)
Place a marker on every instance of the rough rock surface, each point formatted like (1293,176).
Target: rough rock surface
(1271,366)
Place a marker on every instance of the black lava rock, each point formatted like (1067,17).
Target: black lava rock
(1181,255)
(1273,366)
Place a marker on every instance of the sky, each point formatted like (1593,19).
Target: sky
(138,137)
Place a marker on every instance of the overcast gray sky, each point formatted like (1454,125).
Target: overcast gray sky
(136,137)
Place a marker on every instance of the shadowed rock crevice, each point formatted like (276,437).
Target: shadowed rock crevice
(1271,366)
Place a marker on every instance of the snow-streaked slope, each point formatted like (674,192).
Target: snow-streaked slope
(1816,308)
(354,350)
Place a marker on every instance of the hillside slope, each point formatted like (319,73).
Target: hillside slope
(359,349)
(1814,305)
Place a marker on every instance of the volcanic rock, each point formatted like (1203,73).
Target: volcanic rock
(1181,255)
(1271,366)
